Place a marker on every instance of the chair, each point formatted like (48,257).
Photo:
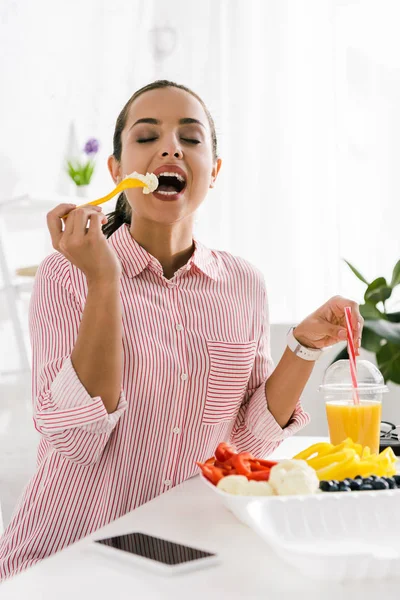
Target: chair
(20,280)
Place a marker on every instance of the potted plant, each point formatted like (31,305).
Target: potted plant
(381,333)
(81,171)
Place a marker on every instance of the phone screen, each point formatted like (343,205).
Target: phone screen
(154,548)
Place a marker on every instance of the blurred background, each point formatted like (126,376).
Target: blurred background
(305,97)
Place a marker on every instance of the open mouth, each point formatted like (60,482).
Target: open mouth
(170,184)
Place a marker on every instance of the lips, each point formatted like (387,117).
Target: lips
(170,169)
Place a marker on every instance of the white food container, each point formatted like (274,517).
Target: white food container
(327,536)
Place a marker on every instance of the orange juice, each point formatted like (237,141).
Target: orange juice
(360,422)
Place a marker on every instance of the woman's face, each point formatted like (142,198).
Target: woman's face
(167,133)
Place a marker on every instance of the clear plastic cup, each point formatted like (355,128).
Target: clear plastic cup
(359,422)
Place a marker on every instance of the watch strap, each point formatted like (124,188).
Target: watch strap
(311,354)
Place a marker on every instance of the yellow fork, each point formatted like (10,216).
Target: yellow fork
(128,182)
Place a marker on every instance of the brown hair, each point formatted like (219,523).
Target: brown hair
(122,213)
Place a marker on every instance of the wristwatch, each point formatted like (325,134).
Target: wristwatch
(303,352)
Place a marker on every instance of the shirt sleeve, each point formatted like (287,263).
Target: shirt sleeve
(255,429)
(75,424)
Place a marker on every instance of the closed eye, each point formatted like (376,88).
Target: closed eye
(144,140)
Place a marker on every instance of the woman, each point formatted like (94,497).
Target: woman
(149,348)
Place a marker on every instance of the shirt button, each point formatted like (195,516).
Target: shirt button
(184,376)
(179,327)
(176,430)
(167,482)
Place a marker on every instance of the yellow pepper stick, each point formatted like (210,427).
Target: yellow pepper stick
(389,452)
(332,458)
(319,449)
(366,453)
(327,458)
(338,469)
(128,182)
(359,449)
(365,468)
(347,443)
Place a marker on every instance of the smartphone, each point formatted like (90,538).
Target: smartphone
(161,555)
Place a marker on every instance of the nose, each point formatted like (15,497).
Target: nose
(176,154)
(171,148)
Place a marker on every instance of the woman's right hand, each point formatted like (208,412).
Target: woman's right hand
(86,248)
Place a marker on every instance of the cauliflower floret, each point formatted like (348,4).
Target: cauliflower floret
(257,488)
(239,485)
(232,484)
(291,477)
(149,179)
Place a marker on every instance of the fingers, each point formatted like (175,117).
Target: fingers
(337,332)
(78,219)
(96,222)
(357,321)
(54,222)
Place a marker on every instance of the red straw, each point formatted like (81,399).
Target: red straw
(352,354)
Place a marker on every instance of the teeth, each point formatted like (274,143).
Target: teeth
(167,193)
(179,177)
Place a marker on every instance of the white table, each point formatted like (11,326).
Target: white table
(190,514)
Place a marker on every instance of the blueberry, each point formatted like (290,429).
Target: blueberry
(380,484)
(390,481)
(397,480)
(344,487)
(358,477)
(325,486)
(356,485)
(348,480)
(366,486)
(335,482)
(368,480)
(374,477)
(334,486)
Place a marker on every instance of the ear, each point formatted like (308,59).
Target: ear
(115,168)
(215,171)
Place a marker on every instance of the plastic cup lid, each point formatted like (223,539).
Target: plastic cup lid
(337,378)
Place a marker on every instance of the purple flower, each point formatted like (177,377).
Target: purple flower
(91,146)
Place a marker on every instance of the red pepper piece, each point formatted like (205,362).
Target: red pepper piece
(255,466)
(210,461)
(213,474)
(259,475)
(224,465)
(266,463)
(224,452)
(241,462)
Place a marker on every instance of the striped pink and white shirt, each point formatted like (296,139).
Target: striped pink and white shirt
(196,359)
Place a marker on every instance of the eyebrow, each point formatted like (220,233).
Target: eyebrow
(151,121)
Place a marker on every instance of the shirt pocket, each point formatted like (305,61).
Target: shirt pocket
(230,368)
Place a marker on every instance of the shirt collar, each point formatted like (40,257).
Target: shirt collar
(135,259)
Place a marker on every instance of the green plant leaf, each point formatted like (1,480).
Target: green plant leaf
(370,340)
(369,311)
(87,172)
(377,291)
(343,354)
(396,275)
(356,273)
(386,330)
(388,359)
(393,317)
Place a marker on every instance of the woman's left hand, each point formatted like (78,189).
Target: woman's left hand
(327,325)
